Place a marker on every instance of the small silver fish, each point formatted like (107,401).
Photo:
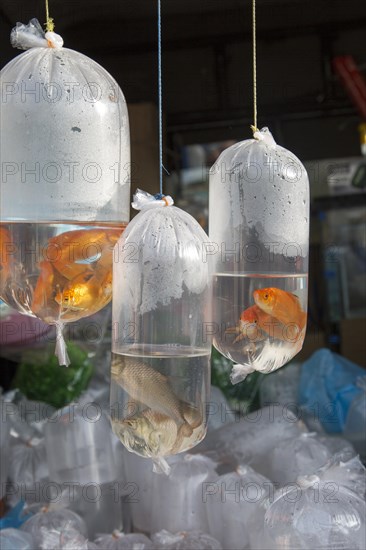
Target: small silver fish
(152,389)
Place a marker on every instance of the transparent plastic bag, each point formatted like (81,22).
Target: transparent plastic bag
(79,445)
(259,229)
(219,412)
(281,387)
(119,541)
(295,457)
(338,445)
(66,538)
(140,478)
(161,344)
(4,447)
(316,514)
(250,440)
(236,505)
(354,428)
(179,496)
(349,473)
(13,539)
(52,523)
(185,540)
(67,155)
(28,469)
(101,509)
(27,418)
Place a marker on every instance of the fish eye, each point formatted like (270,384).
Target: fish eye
(266,296)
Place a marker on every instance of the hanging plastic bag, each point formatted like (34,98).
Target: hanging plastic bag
(259,232)
(67,156)
(160,346)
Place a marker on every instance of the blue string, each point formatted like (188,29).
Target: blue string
(160,93)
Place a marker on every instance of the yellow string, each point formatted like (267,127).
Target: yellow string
(49,21)
(254,24)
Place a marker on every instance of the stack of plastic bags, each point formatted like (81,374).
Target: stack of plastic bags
(261,481)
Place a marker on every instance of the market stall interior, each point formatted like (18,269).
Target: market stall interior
(277,444)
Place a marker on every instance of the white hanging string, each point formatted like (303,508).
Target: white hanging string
(160,95)
(254,35)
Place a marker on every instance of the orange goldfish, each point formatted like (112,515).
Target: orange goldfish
(77,251)
(282,305)
(257,325)
(85,295)
(6,256)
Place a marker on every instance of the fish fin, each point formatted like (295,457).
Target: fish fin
(192,415)
(232,330)
(115,367)
(185,430)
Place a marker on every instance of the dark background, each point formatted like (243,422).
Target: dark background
(207,72)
